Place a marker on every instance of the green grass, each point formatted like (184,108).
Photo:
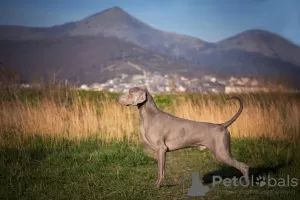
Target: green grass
(94,170)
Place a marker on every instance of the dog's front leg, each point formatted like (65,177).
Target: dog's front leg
(161,157)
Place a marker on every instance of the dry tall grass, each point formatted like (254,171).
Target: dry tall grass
(104,120)
(109,121)
(279,121)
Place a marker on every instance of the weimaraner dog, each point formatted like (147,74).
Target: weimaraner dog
(164,132)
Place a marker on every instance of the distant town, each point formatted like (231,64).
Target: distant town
(158,83)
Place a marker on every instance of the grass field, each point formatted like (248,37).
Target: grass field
(94,170)
(63,144)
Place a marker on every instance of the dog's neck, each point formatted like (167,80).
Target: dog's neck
(148,108)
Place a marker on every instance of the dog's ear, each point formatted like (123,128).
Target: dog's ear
(139,97)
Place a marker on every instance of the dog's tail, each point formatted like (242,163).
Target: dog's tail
(228,123)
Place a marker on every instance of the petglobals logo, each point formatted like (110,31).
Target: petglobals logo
(199,189)
(261,181)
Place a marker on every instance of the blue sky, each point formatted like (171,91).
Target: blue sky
(210,20)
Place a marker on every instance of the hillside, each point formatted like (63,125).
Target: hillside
(82,59)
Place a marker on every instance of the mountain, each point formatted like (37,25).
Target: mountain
(250,53)
(113,22)
(261,42)
(254,53)
(83,59)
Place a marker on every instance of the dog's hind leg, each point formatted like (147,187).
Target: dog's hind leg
(222,152)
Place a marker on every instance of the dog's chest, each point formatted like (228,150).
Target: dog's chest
(152,133)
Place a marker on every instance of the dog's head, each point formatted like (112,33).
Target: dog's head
(133,97)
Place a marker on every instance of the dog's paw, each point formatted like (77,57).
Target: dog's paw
(158,183)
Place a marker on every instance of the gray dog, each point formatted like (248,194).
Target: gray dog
(164,132)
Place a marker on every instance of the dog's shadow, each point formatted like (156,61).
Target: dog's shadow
(230,172)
